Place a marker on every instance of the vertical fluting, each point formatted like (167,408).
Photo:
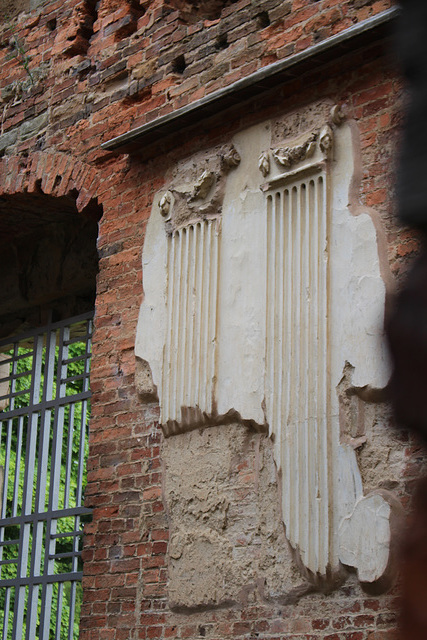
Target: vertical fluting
(313,458)
(288,305)
(297,361)
(182,337)
(200,307)
(270,311)
(323,359)
(205,317)
(190,345)
(213,310)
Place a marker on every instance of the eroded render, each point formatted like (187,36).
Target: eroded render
(264,302)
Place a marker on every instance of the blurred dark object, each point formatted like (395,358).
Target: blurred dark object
(407,333)
(414,570)
(407,327)
(412,41)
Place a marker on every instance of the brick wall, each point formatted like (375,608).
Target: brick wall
(75,74)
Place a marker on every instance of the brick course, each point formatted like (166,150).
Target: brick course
(101,69)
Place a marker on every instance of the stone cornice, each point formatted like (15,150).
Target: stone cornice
(362,34)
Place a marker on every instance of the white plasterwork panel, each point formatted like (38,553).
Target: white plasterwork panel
(355,309)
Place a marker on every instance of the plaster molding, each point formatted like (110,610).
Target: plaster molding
(326,141)
(338,114)
(196,192)
(165,205)
(249,315)
(264,163)
(289,156)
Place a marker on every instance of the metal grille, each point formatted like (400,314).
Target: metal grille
(44,395)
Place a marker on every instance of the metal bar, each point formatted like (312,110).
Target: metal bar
(71,576)
(32,612)
(66,554)
(80,376)
(50,404)
(76,543)
(7,465)
(68,534)
(73,590)
(75,359)
(53,326)
(25,530)
(34,517)
(69,455)
(47,587)
(59,611)
(17,467)
(81,458)
(6,613)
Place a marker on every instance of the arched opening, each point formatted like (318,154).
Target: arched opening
(48,267)
(48,259)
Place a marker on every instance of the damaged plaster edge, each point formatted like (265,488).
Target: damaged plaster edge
(356,208)
(193,418)
(369,539)
(255,84)
(200,608)
(144,384)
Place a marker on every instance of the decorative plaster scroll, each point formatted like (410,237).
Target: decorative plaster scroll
(337,114)
(288,156)
(264,163)
(203,185)
(291,155)
(197,192)
(165,205)
(326,140)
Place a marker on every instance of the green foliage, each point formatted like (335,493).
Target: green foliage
(19,51)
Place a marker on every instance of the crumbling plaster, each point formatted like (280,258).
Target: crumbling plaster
(221,496)
(358,366)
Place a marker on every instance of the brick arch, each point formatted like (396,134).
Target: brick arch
(52,173)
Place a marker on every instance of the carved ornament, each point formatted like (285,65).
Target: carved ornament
(288,156)
(337,114)
(229,157)
(165,204)
(197,190)
(264,163)
(326,139)
(203,185)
